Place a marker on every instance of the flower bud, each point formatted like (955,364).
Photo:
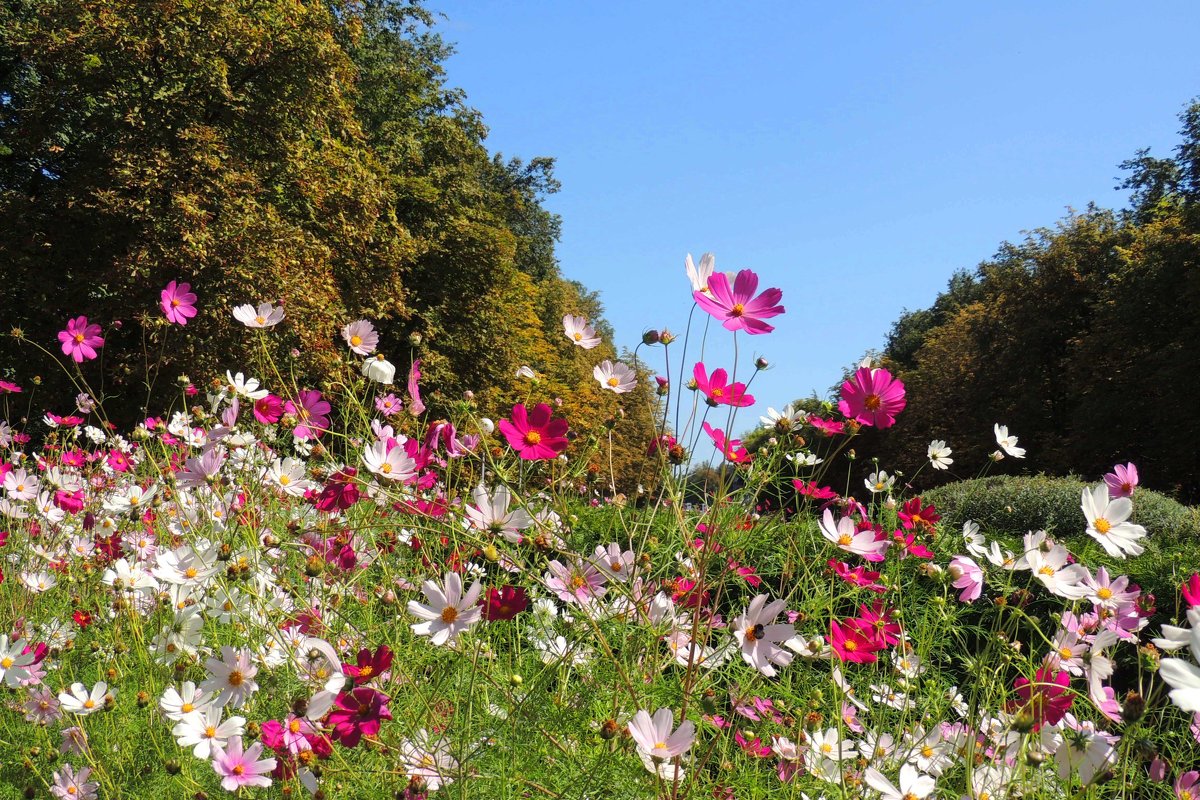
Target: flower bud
(486,426)
(761,363)
(651,337)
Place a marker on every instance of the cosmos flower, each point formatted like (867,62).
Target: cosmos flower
(265,316)
(718,391)
(872,397)
(449,612)
(361,337)
(535,435)
(760,637)
(1008,443)
(618,377)
(80,340)
(178,303)
(939,454)
(238,767)
(579,332)
(654,735)
(1108,522)
(737,308)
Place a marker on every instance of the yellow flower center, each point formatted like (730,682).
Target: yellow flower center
(190,572)
(1047,570)
(845,540)
(578,336)
(449,614)
(236,678)
(577,581)
(79,338)
(826,748)
(294,726)
(1064,652)
(174,302)
(261,320)
(239,770)
(1102,525)
(284,480)
(187,708)
(355,340)
(872,402)
(737,310)
(614,381)
(1104,593)
(6,662)
(850,645)
(366,672)
(533,437)
(89,703)
(386,469)
(210,731)
(927,751)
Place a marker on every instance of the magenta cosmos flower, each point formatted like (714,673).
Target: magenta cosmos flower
(311,413)
(534,434)
(718,390)
(178,303)
(738,308)
(872,397)
(80,340)
(1122,480)
(358,713)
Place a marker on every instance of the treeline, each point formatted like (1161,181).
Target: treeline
(1083,339)
(305,153)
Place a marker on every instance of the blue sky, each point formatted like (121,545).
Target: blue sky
(853,156)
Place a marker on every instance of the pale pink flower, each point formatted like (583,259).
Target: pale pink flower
(617,377)
(361,337)
(654,735)
(238,767)
(965,574)
(579,332)
(760,637)
(72,785)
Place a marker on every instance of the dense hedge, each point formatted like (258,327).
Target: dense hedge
(1007,506)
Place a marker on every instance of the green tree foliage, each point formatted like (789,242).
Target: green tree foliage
(1081,338)
(304,153)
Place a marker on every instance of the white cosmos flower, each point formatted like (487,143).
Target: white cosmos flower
(13,662)
(1108,522)
(380,370)
(939,454)
(203,729)
(1008,443)
(265,316)
(913,785)
(178,703)
(784,421)
(494,515)
(617,377)
(760,637)
(449,612)
(699,275)
(654,735)
(81,701)
(230,678)
(240,385)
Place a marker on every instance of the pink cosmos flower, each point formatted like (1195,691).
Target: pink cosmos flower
(239,768)
(872,397)
(843,532)
(178,303)
(80,340)
(361,337)
(7,387)
(859,576)
(268,410)
(72,785)
(415,406)
(732,448)
(535,435)
(966,575)
(1191,590)
(581,582)
(854,642)
(1186,785)
(1122,480)
(829,427)
(311,413)
(718,391)
(737,308)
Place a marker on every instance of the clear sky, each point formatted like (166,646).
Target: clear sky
(854,155)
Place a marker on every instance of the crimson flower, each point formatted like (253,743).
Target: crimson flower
(534,434)
(340,492)
(718,391)
(504,603)
(913,515)
(879,618)
(1045,699)
(370,664)
(80,340)
(872,397)
(357,713)
(178,303)
(738,308)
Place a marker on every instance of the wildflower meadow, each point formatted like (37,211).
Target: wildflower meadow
(266,589)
